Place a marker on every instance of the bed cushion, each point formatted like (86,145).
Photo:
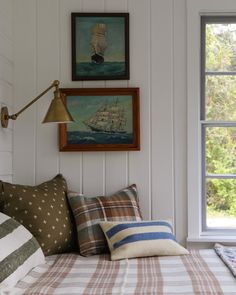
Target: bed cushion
(141,239)
(43,210)
(19,252)
(88,212)
(201,272)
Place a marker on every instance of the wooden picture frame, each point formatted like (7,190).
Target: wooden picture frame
(100,46)
(106,119)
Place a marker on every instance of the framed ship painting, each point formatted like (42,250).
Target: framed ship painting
(100,46)
(105,119)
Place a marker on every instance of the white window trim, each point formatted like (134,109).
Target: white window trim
(194,11)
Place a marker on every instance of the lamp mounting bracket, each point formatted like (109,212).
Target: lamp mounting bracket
(4,117)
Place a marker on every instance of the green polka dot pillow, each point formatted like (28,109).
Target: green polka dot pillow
(43,210)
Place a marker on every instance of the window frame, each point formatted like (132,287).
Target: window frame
(196,9)
(209,19)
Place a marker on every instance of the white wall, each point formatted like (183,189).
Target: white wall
(6,86)
(158,66)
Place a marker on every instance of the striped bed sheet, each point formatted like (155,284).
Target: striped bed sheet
(201,272)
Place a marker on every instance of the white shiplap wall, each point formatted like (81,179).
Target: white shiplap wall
(158,67)
(6,86)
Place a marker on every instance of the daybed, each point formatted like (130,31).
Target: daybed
(117,253)
(201,272)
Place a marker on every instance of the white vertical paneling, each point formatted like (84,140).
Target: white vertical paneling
(6,23)
(161,111)
(6,48)
(93,163)
(116,173)
(70,163)
(65,10)
(6,93)
(193,132)
(6,87)
(180,120)
(6,135)
(115,6)
(139,162)
(71,167)
(157,66)
(6,70)
(93,5)
(6,6)
(93,174)
(6,140)
(6,163)
(24,85)
(47,71)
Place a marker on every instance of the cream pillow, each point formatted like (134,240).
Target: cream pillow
(141,239)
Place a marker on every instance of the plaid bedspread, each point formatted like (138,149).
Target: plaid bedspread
(202,272)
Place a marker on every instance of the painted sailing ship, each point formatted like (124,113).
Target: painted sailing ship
(98,43)
(108,118)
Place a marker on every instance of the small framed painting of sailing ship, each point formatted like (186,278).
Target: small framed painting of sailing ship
(105,119)
(100,46)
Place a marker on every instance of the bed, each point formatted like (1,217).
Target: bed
(201,272)
(36,222)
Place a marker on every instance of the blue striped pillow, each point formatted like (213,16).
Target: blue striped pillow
(141,239)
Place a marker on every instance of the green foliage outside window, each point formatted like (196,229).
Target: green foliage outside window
(221,106)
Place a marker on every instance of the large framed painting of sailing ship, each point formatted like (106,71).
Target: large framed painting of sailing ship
(105,119)
(100,46)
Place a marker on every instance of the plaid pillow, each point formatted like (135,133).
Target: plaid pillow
(88,212)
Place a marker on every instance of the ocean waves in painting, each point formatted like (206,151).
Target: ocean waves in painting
(84,137)
(104,69)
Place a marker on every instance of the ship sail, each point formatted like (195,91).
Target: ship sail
(98,43)
(108,118)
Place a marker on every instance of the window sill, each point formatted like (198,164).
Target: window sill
(208,242)
(212,239)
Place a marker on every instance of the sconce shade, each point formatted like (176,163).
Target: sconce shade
(57,112)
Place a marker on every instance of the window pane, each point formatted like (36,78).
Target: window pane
(220,47)
(221,150)
(221,203)
(220,98)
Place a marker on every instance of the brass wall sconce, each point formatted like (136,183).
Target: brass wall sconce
(57,111)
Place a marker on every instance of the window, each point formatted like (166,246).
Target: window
(217,119)
(211,159)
